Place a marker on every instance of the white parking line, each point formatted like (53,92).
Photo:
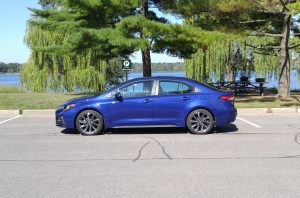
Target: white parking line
(10,119)
(248,122)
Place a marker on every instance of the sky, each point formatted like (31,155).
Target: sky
(13,17)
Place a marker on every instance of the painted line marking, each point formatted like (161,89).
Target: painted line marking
(248,122)
(10,119)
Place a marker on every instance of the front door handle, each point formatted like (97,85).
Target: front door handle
(147,100)
(185,98)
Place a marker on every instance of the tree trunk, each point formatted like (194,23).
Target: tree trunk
(285,69)
(146,57)
(204,72)
(229,68)
(146,62)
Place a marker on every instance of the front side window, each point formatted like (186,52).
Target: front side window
(139,89)
(170,87)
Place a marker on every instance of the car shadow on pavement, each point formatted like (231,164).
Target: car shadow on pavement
(70,132)
(229,128)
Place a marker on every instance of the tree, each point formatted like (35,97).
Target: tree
(264,18)
(115,29)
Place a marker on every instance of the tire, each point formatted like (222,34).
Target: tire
(89,122)
(200,121)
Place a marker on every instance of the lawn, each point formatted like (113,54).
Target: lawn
(33,100)
(270,101)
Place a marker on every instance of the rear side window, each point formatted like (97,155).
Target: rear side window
(172,87)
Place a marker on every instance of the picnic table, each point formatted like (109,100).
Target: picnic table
(243,85)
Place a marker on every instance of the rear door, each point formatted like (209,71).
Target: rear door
(172,102)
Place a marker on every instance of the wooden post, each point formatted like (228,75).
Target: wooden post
(261,89)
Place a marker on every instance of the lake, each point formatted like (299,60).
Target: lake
(14,79)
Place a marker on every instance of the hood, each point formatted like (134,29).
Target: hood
(77,100)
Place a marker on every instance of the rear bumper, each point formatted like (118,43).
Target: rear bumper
(226,117)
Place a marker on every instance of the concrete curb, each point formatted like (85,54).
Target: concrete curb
(40,112)
(4,112)
(269,110)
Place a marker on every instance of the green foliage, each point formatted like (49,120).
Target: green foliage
(10,67)
(259,25)
(74,47)
(113,29)
(228,56)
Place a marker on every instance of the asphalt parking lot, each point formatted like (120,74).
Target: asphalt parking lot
(257,156)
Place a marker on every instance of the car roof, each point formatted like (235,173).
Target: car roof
(164,78)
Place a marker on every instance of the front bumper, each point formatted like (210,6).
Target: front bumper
(60,121)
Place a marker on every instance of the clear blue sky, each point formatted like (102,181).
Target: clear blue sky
(13,17)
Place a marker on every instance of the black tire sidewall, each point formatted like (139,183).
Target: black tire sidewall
(188,124)
(98,115)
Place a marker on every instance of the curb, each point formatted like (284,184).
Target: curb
(269,110)
(15,112)
(40,112)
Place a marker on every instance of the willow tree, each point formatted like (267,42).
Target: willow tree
(264,18)
(56,71)
(224,60)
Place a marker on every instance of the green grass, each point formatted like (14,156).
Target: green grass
(33,100)
(11,89)
(53,100)
(267,102)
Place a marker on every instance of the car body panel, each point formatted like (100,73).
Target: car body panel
(152,110)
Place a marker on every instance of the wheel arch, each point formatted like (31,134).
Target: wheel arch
(104,124)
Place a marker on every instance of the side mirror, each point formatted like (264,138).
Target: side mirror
(118,96)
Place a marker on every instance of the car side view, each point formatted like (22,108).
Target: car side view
(150,102)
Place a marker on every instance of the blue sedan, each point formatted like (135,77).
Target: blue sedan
(150,102)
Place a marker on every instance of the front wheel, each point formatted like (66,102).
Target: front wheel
(200,121)
(89,122)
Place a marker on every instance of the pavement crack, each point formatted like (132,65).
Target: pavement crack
(162,148)
(297,138)
(140,152)
(297,135)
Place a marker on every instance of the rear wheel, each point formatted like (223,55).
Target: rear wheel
(89,122)
(200,121)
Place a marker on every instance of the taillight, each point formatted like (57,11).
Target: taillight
(227,97)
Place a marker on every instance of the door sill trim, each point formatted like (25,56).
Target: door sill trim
(145,126)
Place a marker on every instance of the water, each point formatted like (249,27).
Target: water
(14,79)
(10,79)
(132,75)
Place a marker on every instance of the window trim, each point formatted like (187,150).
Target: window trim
(196,89)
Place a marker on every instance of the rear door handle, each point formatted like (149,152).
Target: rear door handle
(185,98)
(147,100)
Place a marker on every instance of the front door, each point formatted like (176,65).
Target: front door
(135,108)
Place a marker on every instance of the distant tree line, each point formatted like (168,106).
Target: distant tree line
(138,67)
(10,67)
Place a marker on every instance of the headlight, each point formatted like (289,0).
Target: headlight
(69,107)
